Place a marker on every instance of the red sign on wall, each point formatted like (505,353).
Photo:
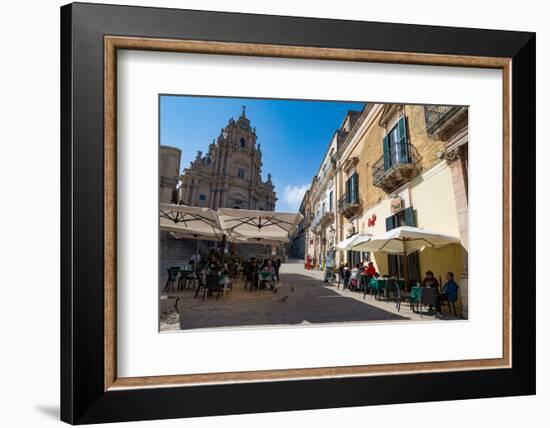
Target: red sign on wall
(371,221)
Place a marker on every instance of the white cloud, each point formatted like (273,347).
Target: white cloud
(293,195)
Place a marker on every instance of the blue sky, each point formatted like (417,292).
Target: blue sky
(293,134)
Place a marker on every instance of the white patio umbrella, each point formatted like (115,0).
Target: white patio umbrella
(259,240)
(193,221)
(252,224)
(348,243)
(405,240)
(190,222)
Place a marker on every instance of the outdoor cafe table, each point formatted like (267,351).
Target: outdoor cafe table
(265,275)
(379,284)
(185,274)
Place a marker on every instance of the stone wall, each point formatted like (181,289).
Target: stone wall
(169,169)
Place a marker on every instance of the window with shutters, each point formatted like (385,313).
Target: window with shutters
(349,203)
(399,162)
(352,189)
(396,264)
(395,145)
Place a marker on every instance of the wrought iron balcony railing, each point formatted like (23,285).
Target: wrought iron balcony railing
(437,117)
(326,218)
(349,203)
(396,167)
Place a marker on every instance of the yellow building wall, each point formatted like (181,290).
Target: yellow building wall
(426,146)
(432,197)
(431,194)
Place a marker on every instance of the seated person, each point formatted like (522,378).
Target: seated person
(213,265)
(371,270)
(347,275)
(449,292)
(268,268)
(430,280)
(355,276)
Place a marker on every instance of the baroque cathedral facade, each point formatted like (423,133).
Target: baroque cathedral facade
(229,175)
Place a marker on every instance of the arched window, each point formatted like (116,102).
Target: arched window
(243,143)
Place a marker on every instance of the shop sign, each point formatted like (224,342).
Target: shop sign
(371,220)
(396,204)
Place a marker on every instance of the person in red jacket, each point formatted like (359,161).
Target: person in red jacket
(371,270)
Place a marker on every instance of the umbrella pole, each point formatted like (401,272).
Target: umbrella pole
(222,248)
(406,265)
(197,251)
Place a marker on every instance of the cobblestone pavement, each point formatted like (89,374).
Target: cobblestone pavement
(301,298)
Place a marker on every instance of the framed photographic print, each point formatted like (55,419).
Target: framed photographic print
(267,213)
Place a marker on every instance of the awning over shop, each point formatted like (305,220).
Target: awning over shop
(405,240)
(252,224)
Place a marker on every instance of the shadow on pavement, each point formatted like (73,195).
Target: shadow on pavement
(309,303)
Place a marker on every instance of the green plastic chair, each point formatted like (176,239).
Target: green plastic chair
(172,278)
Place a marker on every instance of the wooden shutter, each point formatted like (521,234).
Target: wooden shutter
(409,217)
(355,196)
(390,223)
(387,152)
(403,146)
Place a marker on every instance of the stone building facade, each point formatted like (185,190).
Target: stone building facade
(169,171)
(402,165)
(229,175)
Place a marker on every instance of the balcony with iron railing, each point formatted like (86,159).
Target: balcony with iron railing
(315,225)
(349,203)
(308,219)
(396,167)
(440,118)
(326,218)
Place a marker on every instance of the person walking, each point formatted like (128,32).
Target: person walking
(329,266)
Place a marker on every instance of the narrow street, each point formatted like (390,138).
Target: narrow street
(301,299)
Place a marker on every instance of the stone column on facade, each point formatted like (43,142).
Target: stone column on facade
(221,199)
(216,161)
(213,194)
(219,162)
(191,193)
(337,227)
(459,178)
(187,195)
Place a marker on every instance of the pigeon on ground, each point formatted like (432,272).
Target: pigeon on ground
(284,299)
(292,288)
